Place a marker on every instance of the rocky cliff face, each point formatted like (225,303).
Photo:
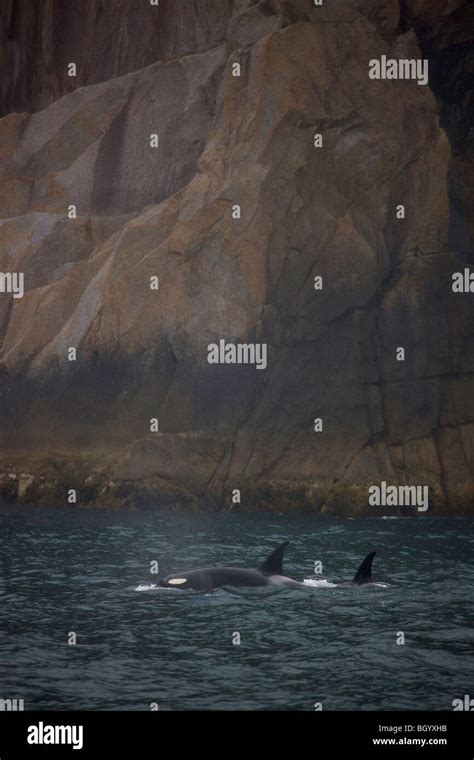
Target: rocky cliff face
(163,159)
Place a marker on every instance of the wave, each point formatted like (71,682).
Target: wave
(319,584)
(146,587)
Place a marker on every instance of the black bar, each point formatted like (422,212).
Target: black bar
(142,734)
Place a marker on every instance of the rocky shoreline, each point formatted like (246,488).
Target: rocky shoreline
(86,483)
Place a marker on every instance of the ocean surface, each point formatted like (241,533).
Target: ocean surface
(88,573)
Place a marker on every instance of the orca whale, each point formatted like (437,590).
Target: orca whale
(269,573)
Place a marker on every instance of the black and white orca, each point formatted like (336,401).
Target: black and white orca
(269,573)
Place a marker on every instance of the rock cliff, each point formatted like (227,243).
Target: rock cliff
(175,193)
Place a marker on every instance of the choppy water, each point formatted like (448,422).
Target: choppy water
(64,571)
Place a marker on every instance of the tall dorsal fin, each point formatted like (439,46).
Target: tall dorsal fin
(364,573)
(273,565)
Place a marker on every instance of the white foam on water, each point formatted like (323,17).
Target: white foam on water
(318,584)
(146,587)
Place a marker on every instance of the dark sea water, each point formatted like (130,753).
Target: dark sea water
(64,571)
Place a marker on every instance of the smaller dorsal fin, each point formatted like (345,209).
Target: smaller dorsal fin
(364,573)
(273,565)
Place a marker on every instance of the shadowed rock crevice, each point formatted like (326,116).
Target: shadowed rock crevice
(447,40)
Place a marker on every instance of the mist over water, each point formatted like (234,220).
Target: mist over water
(68,570)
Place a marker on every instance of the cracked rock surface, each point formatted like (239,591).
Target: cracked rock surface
(166,212)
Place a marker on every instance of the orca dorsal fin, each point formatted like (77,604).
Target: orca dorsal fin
(364,573)
(273,565)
